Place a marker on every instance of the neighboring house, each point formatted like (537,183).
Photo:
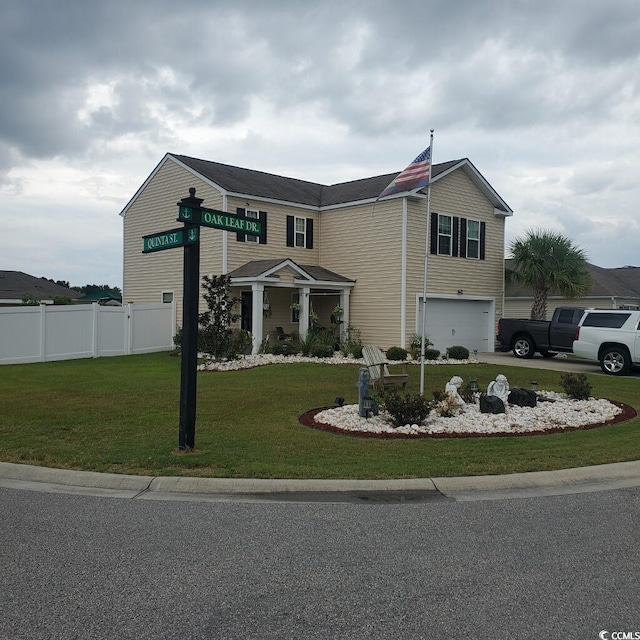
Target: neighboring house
(15,286)
(106,297)
(324,247)
(615,288)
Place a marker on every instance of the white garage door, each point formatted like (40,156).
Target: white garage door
(468,323)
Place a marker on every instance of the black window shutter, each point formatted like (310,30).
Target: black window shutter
(309,233)
(290,242)
(463,237)
(455,236)
(483,233)
(262,216)
(434,233)
(240,237)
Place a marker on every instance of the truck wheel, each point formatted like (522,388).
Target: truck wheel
(615,361)
(524,347)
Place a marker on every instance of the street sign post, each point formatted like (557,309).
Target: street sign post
(193,216)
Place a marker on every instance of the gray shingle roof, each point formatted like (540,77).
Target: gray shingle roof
(15,284)
(619,282)
(268,185)
(255,268)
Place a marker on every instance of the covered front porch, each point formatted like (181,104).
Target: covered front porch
(280,298)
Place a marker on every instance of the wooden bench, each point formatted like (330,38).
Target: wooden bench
(378,368)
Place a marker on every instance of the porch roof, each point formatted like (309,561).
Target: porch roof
(267,268)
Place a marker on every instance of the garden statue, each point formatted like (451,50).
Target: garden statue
(451,389)
(500,388)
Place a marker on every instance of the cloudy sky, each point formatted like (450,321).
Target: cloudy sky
(543,97)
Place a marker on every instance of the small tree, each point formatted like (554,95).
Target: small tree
(548,262)
(216,337)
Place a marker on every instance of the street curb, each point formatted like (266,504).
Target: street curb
(579,480)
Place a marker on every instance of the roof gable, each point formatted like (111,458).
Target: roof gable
(238,181)
(260,269)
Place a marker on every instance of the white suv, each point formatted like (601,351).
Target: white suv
(611,337)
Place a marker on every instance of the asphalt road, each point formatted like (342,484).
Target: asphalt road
(75,566)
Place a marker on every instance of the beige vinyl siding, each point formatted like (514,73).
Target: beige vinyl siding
(240,253)
(364,243)
(454,195)
(154,210)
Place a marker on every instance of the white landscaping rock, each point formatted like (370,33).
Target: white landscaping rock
(249,362)
(561,414)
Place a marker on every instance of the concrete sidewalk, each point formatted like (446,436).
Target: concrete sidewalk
(518,485)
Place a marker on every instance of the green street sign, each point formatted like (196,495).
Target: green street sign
(219,220)
(186,214)
(170,239)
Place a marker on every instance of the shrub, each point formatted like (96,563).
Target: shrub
(352,345)
(322,351)
(266,346)
(431,354)
(307,345)
(215,337)
(356,350)
(457,353)
(447,407)
(177,340)
(286,348)
(575,385)
(240,342)
(416,344)
(465,391)
(405,408)
(396,353)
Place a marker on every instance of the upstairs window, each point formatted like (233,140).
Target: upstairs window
(445,235)
(457,237)
(299,232)
(253,215)
(473,239)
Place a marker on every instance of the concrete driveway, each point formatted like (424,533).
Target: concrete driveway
(562,362)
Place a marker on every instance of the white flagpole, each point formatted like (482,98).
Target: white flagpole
(426,253)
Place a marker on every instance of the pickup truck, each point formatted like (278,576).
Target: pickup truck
(610,337)
(548,337)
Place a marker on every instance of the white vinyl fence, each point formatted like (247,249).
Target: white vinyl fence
(64,332)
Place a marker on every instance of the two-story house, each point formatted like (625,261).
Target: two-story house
(323,247)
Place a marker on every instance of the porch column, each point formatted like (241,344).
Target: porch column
(344,303)
(303,321)
(257,291)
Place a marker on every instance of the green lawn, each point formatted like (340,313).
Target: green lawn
(121,415)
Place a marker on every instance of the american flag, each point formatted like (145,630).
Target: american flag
(415,176)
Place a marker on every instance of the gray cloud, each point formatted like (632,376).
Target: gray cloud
(542,96)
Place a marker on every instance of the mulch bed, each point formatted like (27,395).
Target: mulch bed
(308,420)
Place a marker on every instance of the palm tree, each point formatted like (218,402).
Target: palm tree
(549,263)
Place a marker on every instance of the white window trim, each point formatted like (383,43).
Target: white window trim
(297,233)
(445,235)
(469,239)
(252,214)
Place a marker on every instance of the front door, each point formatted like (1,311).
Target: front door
(246,317)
